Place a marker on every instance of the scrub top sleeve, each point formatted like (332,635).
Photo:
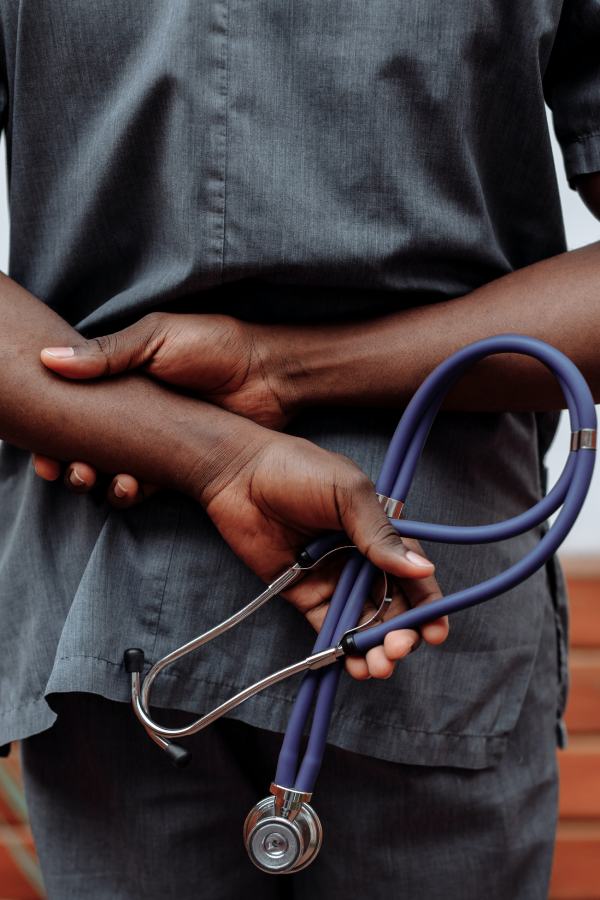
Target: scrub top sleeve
(572,86)
(3,80)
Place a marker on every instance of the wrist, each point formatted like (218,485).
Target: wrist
(217,448)
(300,362)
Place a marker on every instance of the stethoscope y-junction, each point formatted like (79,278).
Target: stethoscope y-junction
(282,832)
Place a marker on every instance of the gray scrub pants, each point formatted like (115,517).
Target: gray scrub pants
(114,821)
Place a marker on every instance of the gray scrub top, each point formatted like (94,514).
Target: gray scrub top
(292,161)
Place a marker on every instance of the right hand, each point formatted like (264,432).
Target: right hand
(281,496)
(270,494)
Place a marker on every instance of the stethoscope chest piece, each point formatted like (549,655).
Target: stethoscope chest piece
(282,833)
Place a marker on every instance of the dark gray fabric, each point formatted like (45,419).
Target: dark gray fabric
(572,86)
(394,152)
(157,574)
(276,160)
(114,821)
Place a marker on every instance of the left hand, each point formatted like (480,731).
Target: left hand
(230,363)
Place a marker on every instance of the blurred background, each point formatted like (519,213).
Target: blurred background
(576,871)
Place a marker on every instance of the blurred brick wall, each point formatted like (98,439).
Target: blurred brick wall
(577,860)
(20,877)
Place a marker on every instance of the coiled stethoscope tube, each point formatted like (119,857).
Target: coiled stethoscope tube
(282,832)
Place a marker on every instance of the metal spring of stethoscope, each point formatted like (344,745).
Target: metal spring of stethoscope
(282,833)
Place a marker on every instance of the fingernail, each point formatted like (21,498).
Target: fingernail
(60,352)
(75,479)
(417,560)
(120,489)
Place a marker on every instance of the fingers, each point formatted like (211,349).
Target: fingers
(123,491)
(79,477)
(380,661)
(46,468)
(108,355)
(311,595)
(126,491)
(365,522)
(425,590)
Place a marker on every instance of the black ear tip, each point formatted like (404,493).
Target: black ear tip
(5,750)
(179,756)
(348,645)
(133,660)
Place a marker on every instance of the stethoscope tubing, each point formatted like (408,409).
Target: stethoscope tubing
(395,478)
(339,634)
(326,681)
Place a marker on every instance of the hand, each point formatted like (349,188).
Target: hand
(288,477)
(228,362)
(231,363)
(286,493)
(269,494)
(122,491)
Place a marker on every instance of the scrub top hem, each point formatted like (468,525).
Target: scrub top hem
(371,737)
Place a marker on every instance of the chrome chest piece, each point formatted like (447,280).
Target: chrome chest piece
(283,833)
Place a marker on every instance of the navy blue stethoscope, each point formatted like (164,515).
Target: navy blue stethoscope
(283,833)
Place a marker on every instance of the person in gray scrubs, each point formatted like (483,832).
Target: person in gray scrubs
(270,220)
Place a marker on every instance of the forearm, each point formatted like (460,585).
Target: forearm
(384,360)
(129,423)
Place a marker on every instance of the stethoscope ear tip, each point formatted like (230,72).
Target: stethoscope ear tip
(133,660)
(179,756)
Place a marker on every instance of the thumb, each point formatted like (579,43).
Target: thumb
(110,354)
(367,525)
